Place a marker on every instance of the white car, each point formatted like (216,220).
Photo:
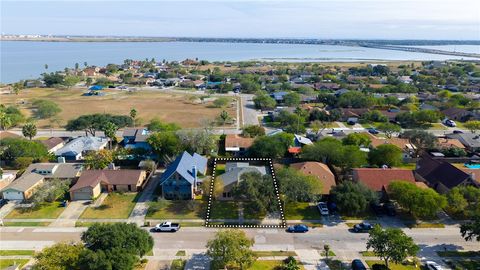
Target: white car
(322,207)
(433,265)
(166,227)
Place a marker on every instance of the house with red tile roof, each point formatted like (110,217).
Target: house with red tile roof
(378,179)
(318,170)
(237,145)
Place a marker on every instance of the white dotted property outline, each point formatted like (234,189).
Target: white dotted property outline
(277,193)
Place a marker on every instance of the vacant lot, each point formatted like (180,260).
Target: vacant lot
(194,209)
(44,210)
(169,107)
(301,211)
(116,205)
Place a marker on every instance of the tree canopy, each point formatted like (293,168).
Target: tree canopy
(385,154)
(258,190)
(231,248)
(13,148)
(275,146)
(298,187)
(60,256)
(352,198)
(94,122)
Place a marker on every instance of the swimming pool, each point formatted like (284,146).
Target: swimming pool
(472,166)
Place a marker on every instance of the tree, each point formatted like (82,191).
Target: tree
(291,122)
(352,198)
(389,129)
(10,116)
(17,87)
(326,248)
(221,102)
(257,189)
(128,237)
(292,99)
(472,125)
(385,154)
(198,141)
(421,203)
(275,146)
(110,130)
(133,115)
(263,101)
(29,130)
(253,131)
(165,144)
(231,248)
(93,122)
(91,260)
(223,117)
(50,191)
(421,139)
(19,147)
(61,256)
(471,230)
(391,244)
(99,160)
(45,108)
(464,201)
(357,139)
(290,263)
(157,125)
(298,187)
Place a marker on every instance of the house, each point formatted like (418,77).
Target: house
(401,143)
(63,171)
(299,141)
(279,96)
(470,140)
(136,138)
(405,79)
(318,170)
(179,181)
(92,182)
(233,172)
(53,143)
(77,148)
(352,113)
(23,187)
(378,179)
(237,145)
(457,114)
(446,143)
(441,175)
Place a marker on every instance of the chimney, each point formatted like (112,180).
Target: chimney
(194,174)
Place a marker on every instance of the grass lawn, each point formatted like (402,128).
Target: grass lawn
(184,209)
(330,253)
(438,126)
(181,253)
(219,169)
(44,210)
(425,225)
(374,265)
(4,263)
(465,254)
(311,225)
(178,264)
(88,223)
(116,205)
(251,212)
(25,224)
(17,252)
(224,210)
(336,265)
(274,253)
(301,211)
(467,264)
(368,254)
(268,265)
(409,166)
(362,216)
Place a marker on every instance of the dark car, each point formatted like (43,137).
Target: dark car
(362,227)
(358,265)
(3,202)
(300,228)
(457,131)
(372,131)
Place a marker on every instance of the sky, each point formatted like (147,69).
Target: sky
(324,19)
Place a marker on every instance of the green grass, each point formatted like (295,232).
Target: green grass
(219,169)
(44,210)
(89,223)
(251,212)
(224,210)
(468,264)
(368,254)
(438,126)
(17,252)
(464,254)
(336,265)
(25,224)
(408,166)
(362,216)
(274,253)
(178,264)
(330,253)
(150,253)
(4,263)
(116,205)
(426,225)
(181,253)
(184,209)
(301,211)
(378,265)
(309,224)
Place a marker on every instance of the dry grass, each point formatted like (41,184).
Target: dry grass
(169,107)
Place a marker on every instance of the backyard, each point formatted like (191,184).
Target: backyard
(169,107)
(116,205)
(44,210)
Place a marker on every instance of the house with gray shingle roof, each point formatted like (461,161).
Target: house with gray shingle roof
(180,180)
(76,148)
(23,187)
(233,173)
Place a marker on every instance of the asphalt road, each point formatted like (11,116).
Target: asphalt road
(344,243)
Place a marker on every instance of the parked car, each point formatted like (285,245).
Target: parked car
(358,265)
(362,227)
(322,207)
(372,131)
(332,207)
(3,202)
(433,265)
(449,123)
(457,131)
(299,228)
(166,226)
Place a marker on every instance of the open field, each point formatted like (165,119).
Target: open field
(116,205)
(169,107)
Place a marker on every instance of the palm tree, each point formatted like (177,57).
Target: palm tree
(133,115)
(110,129)
(29,130)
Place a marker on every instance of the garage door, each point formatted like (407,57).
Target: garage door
(81,196)
(13,195)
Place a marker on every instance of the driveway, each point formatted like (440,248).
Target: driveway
(141,207)
(198,261)
(7,208)
(71,214)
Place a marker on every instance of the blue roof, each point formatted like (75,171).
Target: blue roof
(96,87)
(184,164)
(278,95)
